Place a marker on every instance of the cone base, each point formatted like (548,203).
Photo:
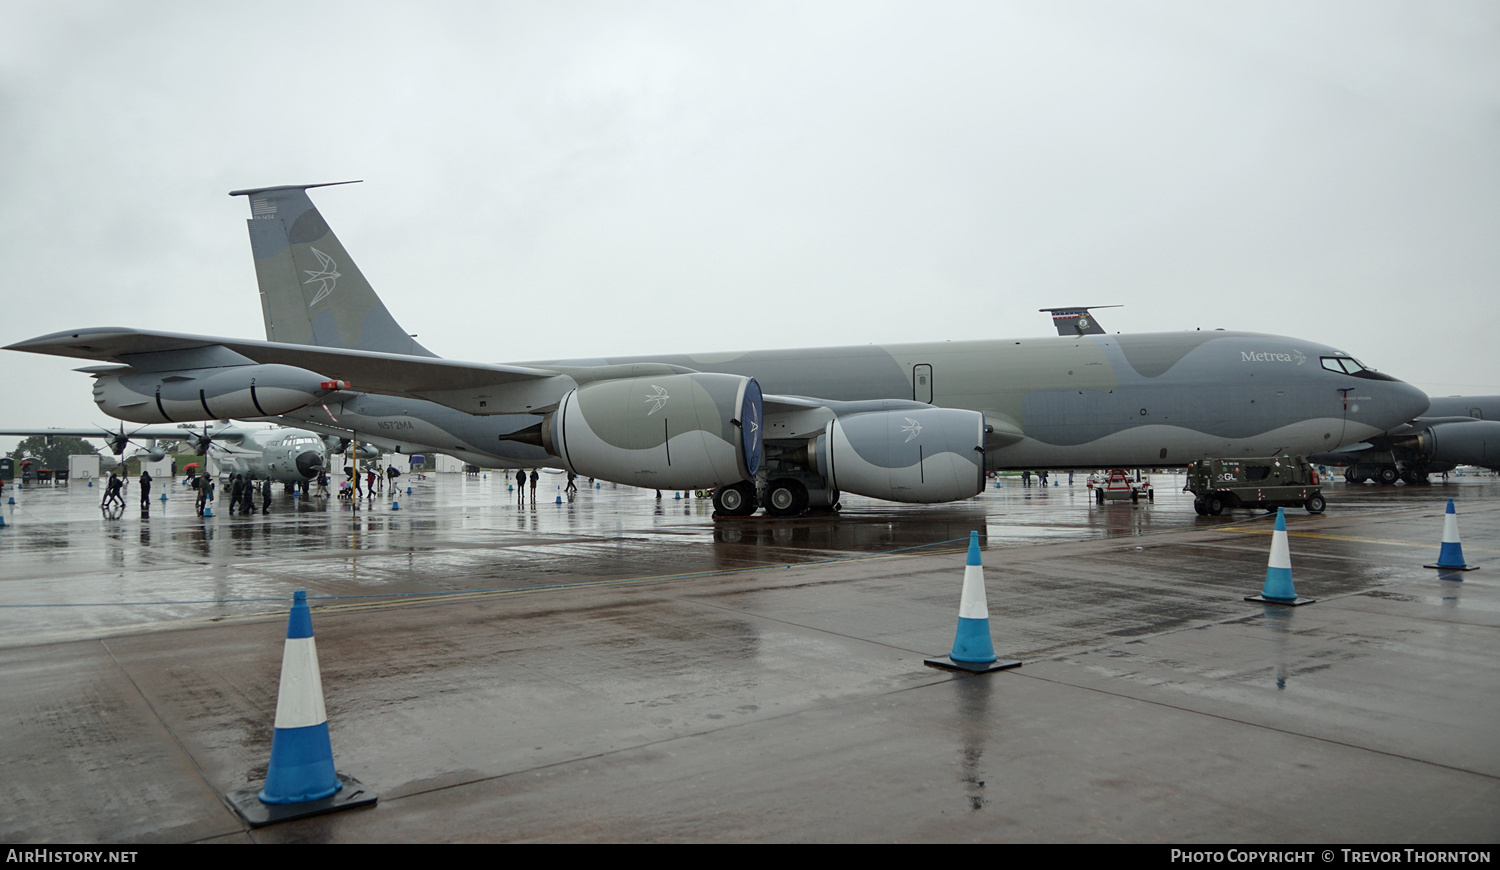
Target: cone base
(247,803)
(948,663)
(1453,567)
(1285,602)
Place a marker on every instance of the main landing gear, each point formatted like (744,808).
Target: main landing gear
(782,497)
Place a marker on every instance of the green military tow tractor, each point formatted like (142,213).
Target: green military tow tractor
(1264,483)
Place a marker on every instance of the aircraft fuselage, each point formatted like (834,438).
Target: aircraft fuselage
(1089,401)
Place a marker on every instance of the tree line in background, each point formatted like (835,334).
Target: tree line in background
(52,451)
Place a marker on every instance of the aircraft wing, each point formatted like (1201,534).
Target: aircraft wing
(119,436)
(396,374)
(96,432)
(140,433)
(475,388)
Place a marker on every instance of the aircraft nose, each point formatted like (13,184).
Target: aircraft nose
(309,464)
(1409,402)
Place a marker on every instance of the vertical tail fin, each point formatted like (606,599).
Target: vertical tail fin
(1076,320)
(310,290)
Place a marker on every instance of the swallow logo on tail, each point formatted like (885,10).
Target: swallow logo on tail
(327,278)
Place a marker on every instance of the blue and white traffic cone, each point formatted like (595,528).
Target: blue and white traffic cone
(972,649)
(301,766)
(1278,588)
(1451,556)
(300,780)
(395,505)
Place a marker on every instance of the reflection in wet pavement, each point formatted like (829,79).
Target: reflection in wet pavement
(69,572)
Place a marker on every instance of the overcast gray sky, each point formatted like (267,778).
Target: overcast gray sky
(564,179)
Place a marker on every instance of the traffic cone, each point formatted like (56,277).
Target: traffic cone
(1278,588)
(300,780)
(1451,556)
(301,758)
(972,649)
(395,505)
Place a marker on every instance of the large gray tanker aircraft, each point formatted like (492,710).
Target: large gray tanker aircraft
(1455,430)
(787,429)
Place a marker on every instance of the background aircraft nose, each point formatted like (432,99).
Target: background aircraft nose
(309,463)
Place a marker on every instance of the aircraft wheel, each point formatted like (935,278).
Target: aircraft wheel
(1350,476)
(1214,505)
(785,498)
(1388,475)
(1316,504)
(737,500)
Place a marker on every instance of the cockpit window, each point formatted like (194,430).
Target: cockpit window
(1345,364)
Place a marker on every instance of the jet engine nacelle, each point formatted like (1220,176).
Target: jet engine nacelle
(910,455)
(1474,442)
(686,431)
(209,394)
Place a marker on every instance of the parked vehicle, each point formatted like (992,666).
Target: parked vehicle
(1118,485)
(1259,483)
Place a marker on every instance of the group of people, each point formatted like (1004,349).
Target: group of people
(114,491)
(1042,477)
(243,489)
(374,483)
(522,479)
(521,485)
